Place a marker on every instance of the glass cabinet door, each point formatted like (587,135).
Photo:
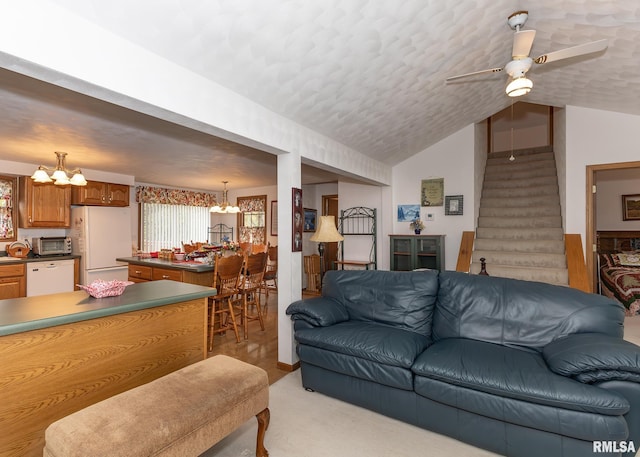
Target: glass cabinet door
(427,253)
(401,252)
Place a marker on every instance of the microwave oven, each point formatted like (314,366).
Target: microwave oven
(51,245)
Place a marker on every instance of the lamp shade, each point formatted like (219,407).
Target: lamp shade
(327,231)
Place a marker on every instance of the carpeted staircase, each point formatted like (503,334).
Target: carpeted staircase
(519,229)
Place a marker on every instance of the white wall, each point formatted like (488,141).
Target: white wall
(594,137)
(609,203)
(453,160)
(232,219)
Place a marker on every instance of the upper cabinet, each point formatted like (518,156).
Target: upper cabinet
(43,205)
(8,222)
(97,193)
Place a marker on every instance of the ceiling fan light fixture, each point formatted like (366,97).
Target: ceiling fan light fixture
(519,86)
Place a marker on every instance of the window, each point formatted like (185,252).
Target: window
(166,226)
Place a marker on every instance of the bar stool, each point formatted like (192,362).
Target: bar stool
(226,276)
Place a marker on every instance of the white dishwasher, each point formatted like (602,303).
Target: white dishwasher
(49,277)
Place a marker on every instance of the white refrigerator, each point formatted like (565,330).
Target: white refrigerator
(99,235)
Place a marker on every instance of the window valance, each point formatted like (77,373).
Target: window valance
(161,195)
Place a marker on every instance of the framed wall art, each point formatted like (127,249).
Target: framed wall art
(310,216)
(432,192)
(297,219)
(408,213)
(453,205)
(631,207)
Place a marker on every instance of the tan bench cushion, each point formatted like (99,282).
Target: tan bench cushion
(183,413)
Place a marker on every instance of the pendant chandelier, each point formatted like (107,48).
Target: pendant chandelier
(225,207)
(59,174)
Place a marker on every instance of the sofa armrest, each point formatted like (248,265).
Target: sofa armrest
(593,357)
(318,311)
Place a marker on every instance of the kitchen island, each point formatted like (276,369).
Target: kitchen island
(60,353)
(152,269)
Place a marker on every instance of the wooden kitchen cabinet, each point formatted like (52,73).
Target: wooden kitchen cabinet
(97,193)
(140,273)
(43,205)
(13,283)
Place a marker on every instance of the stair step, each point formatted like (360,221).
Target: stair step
(520,234)
(558,276)
(510,202)
(495,167)
(525,211)
(533,172)
(521,191)
(519,158)
(522,259)
(541,246)
(514,183)
(520,222)
(521,153)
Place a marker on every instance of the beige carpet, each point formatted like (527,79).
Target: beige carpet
(309,424)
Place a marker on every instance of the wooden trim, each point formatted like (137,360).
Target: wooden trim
(590,237)
(286,367)
(578,278)
(466,250)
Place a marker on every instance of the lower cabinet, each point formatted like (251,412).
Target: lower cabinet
(412,252)
(141,273)
(13,282)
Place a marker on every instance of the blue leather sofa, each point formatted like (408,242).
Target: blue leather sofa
(519,368)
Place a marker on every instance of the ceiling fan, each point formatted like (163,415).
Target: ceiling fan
(521,63)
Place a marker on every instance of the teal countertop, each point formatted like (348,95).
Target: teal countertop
(176,265)
(31,313)
(7,260)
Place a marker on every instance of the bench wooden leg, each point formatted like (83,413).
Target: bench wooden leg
(263,423)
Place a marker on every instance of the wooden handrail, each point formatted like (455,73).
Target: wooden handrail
(466,249)
(578,278)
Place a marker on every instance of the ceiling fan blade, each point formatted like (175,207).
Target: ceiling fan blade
(475,73)
(522,42)
(574,51)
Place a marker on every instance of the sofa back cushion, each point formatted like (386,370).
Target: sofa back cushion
(519,313)
(403,299)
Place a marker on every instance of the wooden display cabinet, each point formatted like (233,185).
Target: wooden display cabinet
(412,252)
(97,193)
(43,205)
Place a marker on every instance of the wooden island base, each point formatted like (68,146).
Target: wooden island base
(52,372)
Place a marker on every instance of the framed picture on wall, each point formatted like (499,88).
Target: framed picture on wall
(297,219)
(432,192)
(310,216)
(453,205)
(631,207)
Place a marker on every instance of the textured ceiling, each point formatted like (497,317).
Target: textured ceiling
(370,73)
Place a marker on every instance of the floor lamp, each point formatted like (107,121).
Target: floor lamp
(326,233)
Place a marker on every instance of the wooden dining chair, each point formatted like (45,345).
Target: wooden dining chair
(270,279)
(227,275)
(312,270)
(259,247)
(254,267)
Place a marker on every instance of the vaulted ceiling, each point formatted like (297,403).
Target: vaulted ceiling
(366,73)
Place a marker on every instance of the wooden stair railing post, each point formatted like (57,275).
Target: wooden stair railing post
(578,278)
(466,249)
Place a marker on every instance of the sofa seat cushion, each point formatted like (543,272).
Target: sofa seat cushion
(363,350)
(368,341)
(565,422)
(512,373)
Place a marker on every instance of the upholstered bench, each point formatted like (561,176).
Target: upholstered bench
(181,414)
